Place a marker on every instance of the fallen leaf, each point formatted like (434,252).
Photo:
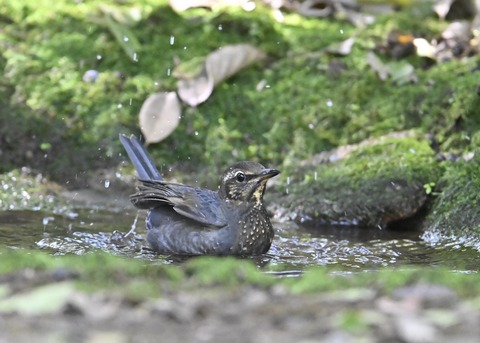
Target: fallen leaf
(442,7)
(400,72)
(217,67)
(343,48)
(230,59)
(196,90)
(424,48)
(125,37)
(159,116)
(455,9)
(377,66)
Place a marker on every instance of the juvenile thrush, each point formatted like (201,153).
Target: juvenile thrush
(185,220)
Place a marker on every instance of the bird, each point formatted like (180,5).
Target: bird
(186,220)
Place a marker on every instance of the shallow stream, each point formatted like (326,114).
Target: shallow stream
(346,249)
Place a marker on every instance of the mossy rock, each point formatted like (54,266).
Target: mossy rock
(374,184)
(455,214)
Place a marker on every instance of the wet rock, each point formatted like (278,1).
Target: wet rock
(455,214)
(374,183)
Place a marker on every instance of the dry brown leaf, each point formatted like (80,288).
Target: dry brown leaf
(218,66)
(229,60)
(196,90)
(159,116)
(424,48)
(442,7)
(343,48)
(377,65)
(399,72)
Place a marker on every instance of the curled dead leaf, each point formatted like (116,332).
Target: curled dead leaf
(377,66)
(400,72)
(230,59)
(343,48)
(159,116)
(424,48)
(217,67)
(196,90)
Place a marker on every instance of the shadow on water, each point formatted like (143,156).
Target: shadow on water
(350,249)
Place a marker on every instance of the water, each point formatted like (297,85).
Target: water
(294,248)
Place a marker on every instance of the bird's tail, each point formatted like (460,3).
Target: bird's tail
(140,158)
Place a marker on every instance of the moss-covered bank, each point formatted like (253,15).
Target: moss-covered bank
(53,120)
(455,214)
(372,184)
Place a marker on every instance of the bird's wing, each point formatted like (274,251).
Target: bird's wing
(201,205)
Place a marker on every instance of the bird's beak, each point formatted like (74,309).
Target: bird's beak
(268,173)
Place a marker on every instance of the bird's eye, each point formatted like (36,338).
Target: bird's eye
(240,176)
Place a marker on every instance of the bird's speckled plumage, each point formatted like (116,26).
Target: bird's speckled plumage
(193,221)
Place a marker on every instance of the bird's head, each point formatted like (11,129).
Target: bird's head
(245,181)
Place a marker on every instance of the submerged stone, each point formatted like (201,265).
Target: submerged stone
(374,183)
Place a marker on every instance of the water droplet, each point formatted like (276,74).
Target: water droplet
(329,103)
(47,220)
(119,106)
(196,133)
(125,38)
(311,126)
(220,28)
(99,57)
(106,184)
(155,84)
(172,40)
(341,31)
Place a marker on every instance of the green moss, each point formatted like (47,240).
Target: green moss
(226,271)
(139,280)
(409,159)
(455,212)
(317,279)
(93,272)
(376,184)
(305,108)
